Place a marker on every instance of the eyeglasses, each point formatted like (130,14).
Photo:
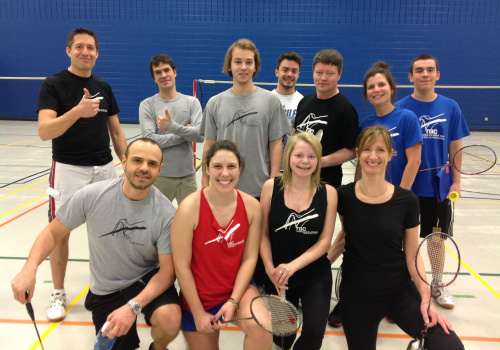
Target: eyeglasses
(328,74)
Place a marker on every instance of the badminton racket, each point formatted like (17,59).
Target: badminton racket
(476,159)
(274,314)
(437,256)
(29,308)
(336,286)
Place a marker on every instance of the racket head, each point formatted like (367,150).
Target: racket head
(276,316)
(443,251)
(476,159)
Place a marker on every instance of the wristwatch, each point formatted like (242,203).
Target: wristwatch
(135,306)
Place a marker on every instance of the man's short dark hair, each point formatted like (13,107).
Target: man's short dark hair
(145,140)
(424,57)
(160,58)
(292,56)
(329,56)
(76,31)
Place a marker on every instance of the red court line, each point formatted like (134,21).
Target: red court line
(237,329)
(26,212)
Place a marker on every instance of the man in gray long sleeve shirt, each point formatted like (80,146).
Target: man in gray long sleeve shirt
(173,121)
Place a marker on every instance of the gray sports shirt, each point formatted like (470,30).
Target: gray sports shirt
(177,140)
(250,121)
(125,236)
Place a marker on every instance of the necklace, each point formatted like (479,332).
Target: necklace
(378,195)
(298,195)
(222,215)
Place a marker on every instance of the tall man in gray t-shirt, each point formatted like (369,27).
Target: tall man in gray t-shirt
(131,267)
(251,117)
(248,115)
(173,121)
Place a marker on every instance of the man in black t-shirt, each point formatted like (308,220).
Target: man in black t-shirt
(329,115)
(78,112)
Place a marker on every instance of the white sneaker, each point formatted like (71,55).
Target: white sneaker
(443,298)
(56,311)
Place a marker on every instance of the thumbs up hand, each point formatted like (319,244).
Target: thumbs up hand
(163,121)
(88,107)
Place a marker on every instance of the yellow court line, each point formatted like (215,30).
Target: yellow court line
(480,279)
(55,324)
(25,204)
(25,187)
(16,143)
(25,148)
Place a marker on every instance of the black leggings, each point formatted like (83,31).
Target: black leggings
(315,297)
(361,317)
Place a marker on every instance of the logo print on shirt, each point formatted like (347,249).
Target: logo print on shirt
(123,229)
(309,122)
(395,134)
(240,115)
(227,235)
(95,96)
(298,221)
(430,122)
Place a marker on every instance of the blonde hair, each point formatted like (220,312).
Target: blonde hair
(286,177)
(244,44)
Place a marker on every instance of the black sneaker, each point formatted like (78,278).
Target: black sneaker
(334,318)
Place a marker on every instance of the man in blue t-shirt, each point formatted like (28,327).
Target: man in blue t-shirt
(443,127)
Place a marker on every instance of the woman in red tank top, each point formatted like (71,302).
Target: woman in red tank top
(215,253)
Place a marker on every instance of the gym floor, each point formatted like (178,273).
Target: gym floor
(25,163)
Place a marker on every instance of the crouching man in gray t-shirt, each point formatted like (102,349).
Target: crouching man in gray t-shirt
(131,268)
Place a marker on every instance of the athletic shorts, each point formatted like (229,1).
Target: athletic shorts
(430,211)
(66,179)
(102,305)
(188,324)
(177,187)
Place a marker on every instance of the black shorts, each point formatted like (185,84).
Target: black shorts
(430,211)
(102,305)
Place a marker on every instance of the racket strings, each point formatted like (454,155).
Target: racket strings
(336,288)
(276,316)
(476,159)
(439,260)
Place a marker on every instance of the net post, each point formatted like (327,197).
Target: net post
(195,91)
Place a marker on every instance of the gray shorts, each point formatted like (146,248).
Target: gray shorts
(66,179)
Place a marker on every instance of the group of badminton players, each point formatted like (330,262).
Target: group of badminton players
(271,190)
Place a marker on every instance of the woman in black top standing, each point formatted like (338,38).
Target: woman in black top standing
(380,230)
(298,221)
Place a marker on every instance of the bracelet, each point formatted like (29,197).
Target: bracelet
(235,303)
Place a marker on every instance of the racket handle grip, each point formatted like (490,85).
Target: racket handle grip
(453,196)
(282,294)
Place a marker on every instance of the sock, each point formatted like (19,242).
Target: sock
(59,291)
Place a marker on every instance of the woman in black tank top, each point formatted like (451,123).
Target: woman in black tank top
(298,221)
